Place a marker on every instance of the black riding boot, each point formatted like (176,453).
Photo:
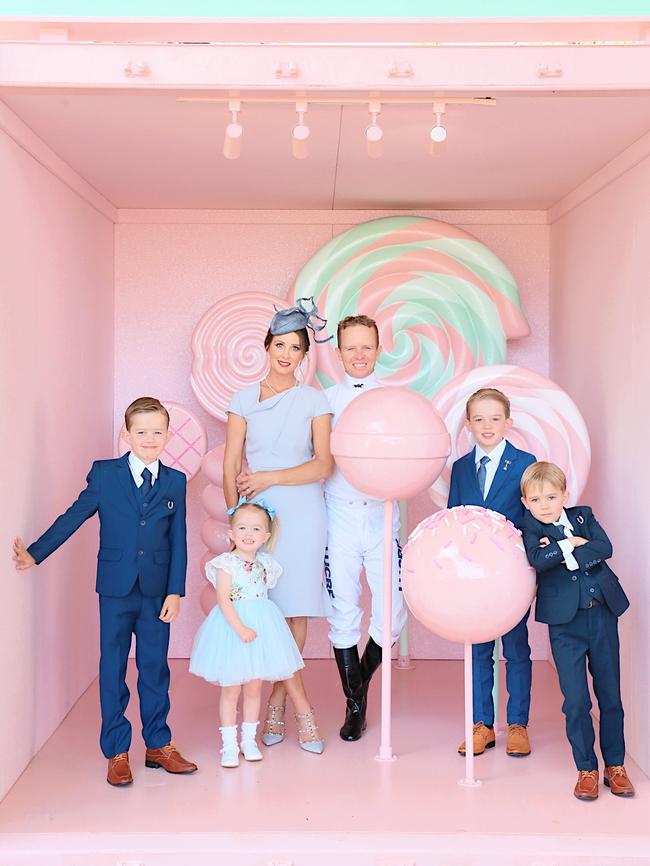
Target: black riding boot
(370,661)
(349,667)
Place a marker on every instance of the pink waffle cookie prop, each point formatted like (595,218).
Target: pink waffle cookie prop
(228,349)
(390,443)
(465,574)
(187,443)
(546,422)
(444,303)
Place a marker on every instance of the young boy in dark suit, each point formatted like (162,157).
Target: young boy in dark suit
(141,568)
(580,598)
(489,476)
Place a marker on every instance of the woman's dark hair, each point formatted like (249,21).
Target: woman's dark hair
(303,336)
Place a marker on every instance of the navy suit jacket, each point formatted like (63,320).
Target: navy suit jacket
(134,541)
(558,589)
(504,495)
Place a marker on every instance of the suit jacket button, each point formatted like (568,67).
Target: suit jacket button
(573,577)
(141,553)
(143,523)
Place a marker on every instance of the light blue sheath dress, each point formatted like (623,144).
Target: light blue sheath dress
(219,655)
(278,436)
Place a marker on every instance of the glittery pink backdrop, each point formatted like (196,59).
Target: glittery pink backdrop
(174,271)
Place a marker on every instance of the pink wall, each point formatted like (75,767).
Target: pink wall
(176,264)
(600,310)
(57,396)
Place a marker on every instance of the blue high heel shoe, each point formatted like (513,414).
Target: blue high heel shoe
(270,734)
(311,743)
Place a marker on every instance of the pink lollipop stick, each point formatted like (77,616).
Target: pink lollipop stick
(385,747)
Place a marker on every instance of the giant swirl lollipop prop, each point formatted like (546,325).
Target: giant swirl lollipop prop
(444,303)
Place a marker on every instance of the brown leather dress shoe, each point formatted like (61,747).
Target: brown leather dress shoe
(483,739)
(119,772)
(517,742)
(170,759)
(615,778)
(587,785)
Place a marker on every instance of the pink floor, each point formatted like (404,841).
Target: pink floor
(297,809)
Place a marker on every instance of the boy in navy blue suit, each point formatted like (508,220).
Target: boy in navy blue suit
(489,476)
(141,568)
(580,598)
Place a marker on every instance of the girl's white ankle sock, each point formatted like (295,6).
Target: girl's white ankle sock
(249,745)
(230,749)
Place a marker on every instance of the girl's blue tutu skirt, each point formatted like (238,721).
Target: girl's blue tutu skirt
(221,657)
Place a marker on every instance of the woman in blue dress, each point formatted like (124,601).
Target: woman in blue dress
(284,429)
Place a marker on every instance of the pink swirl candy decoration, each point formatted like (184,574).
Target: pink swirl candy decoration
(546,422)
(444,303)
(187,443)
(228,349)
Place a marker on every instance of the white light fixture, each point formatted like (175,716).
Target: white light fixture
(438,132)
(300,134)
(374,133)
(234,132)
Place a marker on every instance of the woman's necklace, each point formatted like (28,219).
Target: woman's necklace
(266,382)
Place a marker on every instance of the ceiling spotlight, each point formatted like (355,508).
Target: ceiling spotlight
(374,133)
(300,134)
(438,132)
(234,132)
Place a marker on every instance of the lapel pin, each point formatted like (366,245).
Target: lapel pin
(506,463)
(170,505)
(580,518)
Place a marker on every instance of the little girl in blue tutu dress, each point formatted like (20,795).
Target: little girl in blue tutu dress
(245,638)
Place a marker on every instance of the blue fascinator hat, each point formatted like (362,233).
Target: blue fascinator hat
(298,318)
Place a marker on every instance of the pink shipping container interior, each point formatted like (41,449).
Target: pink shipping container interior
(121,223)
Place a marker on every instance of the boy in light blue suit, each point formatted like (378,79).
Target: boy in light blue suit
(489,476)
(141,568)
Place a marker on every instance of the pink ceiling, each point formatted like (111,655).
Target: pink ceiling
(148,150)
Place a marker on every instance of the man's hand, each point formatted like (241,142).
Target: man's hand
(21,557)
(171,608)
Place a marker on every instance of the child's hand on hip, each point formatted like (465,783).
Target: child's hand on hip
(171,608)
(21,557)
(247,634)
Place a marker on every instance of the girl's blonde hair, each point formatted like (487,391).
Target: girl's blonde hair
(272,522)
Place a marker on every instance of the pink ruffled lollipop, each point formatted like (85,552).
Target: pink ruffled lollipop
(546,422)
(228,349)
(187,443)
(444,303)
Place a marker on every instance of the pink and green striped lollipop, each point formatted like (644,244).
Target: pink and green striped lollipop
(443,301)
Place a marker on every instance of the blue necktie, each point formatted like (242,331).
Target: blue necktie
(145,488)
(481,474)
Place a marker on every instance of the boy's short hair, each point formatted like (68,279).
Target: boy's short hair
(488,394)
(351,321)
(144,404)
(303,336)
(540,472)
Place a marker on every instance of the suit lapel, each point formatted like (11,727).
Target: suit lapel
(125,480)
(508,458)
(470,473)
(577,521)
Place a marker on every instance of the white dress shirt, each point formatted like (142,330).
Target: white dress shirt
(339,396)
(565,545)
(492,465)
(136,466)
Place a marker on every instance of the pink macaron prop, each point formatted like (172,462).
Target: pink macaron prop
(466,577)
(391,444)
(187,443)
